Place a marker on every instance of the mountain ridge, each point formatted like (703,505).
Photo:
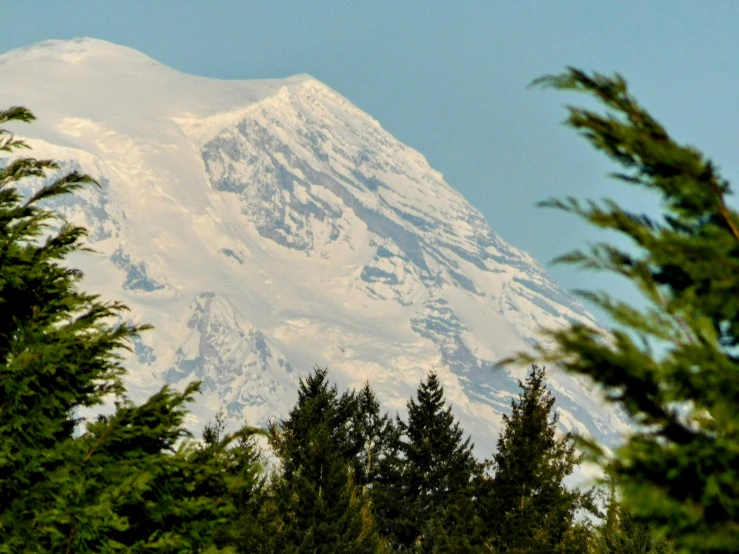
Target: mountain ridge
(267,226)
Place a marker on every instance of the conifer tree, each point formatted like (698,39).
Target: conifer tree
(673,365)
(374,434)
(435,472)
(319,507)
(126,481)
(529,509)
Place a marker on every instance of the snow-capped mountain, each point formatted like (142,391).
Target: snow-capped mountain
(264,227)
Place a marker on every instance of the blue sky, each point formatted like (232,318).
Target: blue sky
(449,78)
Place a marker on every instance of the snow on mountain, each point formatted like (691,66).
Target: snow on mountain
(267,226)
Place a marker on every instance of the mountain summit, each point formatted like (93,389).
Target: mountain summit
(267,226)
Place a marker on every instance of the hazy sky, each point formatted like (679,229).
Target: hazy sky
(449,79)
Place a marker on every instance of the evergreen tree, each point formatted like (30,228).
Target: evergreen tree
(318,504)
(434,473)
(128,481)
(672,366)
(374,434)
(528,508)
(388,502)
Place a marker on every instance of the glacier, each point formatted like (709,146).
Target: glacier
(264,227)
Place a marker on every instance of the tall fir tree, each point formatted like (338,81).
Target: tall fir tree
(673,365)
(128,481)
(321,508)
(429,483)
(528,508)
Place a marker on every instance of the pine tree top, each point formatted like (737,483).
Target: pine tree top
(528,448)
(437,456)
(431,424)
(528,502)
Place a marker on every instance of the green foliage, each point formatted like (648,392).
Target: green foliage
(241,458)
(138,486)
(619,533)
(672,366)
(373,434)
(527,507)
(319,507)
(130,481)
(429,481)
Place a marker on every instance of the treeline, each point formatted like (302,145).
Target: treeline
(349,478)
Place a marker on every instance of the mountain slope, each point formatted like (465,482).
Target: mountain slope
(266,226)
